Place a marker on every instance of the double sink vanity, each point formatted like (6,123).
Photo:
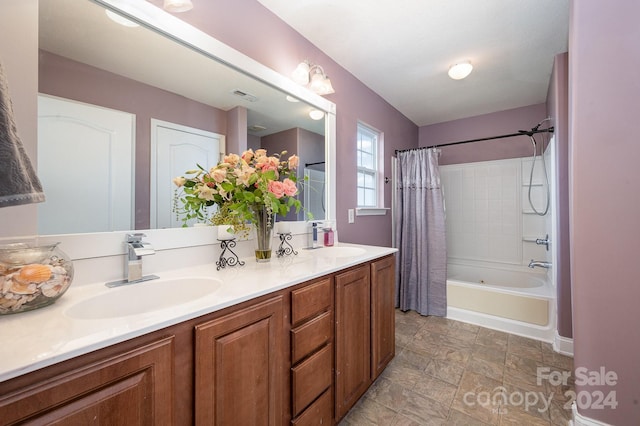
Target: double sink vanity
(294,341)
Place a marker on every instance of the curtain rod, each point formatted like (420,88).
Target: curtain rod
(520,133)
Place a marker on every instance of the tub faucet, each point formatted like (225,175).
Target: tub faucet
(539,263)
(136,248)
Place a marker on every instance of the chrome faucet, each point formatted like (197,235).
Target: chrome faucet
(136,248)
(313,236)
(539,263)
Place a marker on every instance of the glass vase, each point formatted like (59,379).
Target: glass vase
(264,231)
(32,277)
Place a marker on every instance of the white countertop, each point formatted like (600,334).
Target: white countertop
(39,338)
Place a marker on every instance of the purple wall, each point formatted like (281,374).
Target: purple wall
(604,101)
(267,39)
(558,108)
(481,126)
(62,77)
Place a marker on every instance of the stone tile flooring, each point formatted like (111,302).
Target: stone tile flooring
(452,373)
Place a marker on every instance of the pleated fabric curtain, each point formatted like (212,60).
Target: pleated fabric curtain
(419,233)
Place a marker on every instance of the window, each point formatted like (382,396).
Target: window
(369,169)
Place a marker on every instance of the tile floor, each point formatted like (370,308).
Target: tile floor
(445,371)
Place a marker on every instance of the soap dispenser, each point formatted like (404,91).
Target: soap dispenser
(328,236)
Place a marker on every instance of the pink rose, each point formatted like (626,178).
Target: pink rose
(231,159)
(294,160)
(219,175)
(276,188)
(247,155)
(267,163)
(290,188)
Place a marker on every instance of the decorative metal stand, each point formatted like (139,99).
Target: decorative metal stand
(285,248)
(233,259)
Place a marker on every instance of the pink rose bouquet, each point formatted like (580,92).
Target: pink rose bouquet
(240,185)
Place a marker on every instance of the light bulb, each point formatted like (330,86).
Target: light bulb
(460,70)
(301,74)
(178,5)
(316,114)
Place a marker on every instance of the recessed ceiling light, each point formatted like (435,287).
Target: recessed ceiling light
(460,70)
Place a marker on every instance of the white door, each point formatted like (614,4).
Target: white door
(85,163)
(174,150)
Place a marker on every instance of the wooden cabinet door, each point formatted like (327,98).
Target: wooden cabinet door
(383,343)
(133,388)
(352,337)
(240,371)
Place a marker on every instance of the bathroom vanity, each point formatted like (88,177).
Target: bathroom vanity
(268,350)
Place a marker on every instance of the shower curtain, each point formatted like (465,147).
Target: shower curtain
(419,234)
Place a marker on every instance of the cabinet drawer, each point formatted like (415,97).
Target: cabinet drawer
(310,378)
(311,300)
(310,336)
(319,413)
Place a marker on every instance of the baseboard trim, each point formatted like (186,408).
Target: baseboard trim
(563,345)
(580,420)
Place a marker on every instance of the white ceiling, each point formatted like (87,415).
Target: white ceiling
(402,49)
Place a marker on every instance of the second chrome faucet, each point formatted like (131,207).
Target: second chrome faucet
(136,248)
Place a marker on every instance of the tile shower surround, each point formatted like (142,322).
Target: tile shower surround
(438,361)
(488,214)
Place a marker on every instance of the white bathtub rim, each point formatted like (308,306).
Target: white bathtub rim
(544,291)
(510,267)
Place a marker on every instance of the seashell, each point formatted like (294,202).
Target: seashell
(58,270)
(7,303)
(5,284)
(35,273)
(19,302)
(52,290)
(19,287)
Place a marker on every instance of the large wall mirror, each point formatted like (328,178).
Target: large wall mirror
(117,97)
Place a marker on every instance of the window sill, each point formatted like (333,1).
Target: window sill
(371,211)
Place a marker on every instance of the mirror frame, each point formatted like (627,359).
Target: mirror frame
(169,26)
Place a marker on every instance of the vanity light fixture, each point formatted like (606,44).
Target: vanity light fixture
(312,75)
(177,5)
(460,70)
(316,114)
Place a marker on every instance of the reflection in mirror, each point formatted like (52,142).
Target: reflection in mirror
(172,105)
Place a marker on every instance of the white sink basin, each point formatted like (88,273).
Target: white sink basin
(148,296)
(338,251)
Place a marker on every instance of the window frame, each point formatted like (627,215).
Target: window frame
(376,152)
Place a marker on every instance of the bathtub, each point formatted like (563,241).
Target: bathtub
(508,300)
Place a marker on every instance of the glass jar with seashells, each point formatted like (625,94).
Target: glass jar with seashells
(32,277)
